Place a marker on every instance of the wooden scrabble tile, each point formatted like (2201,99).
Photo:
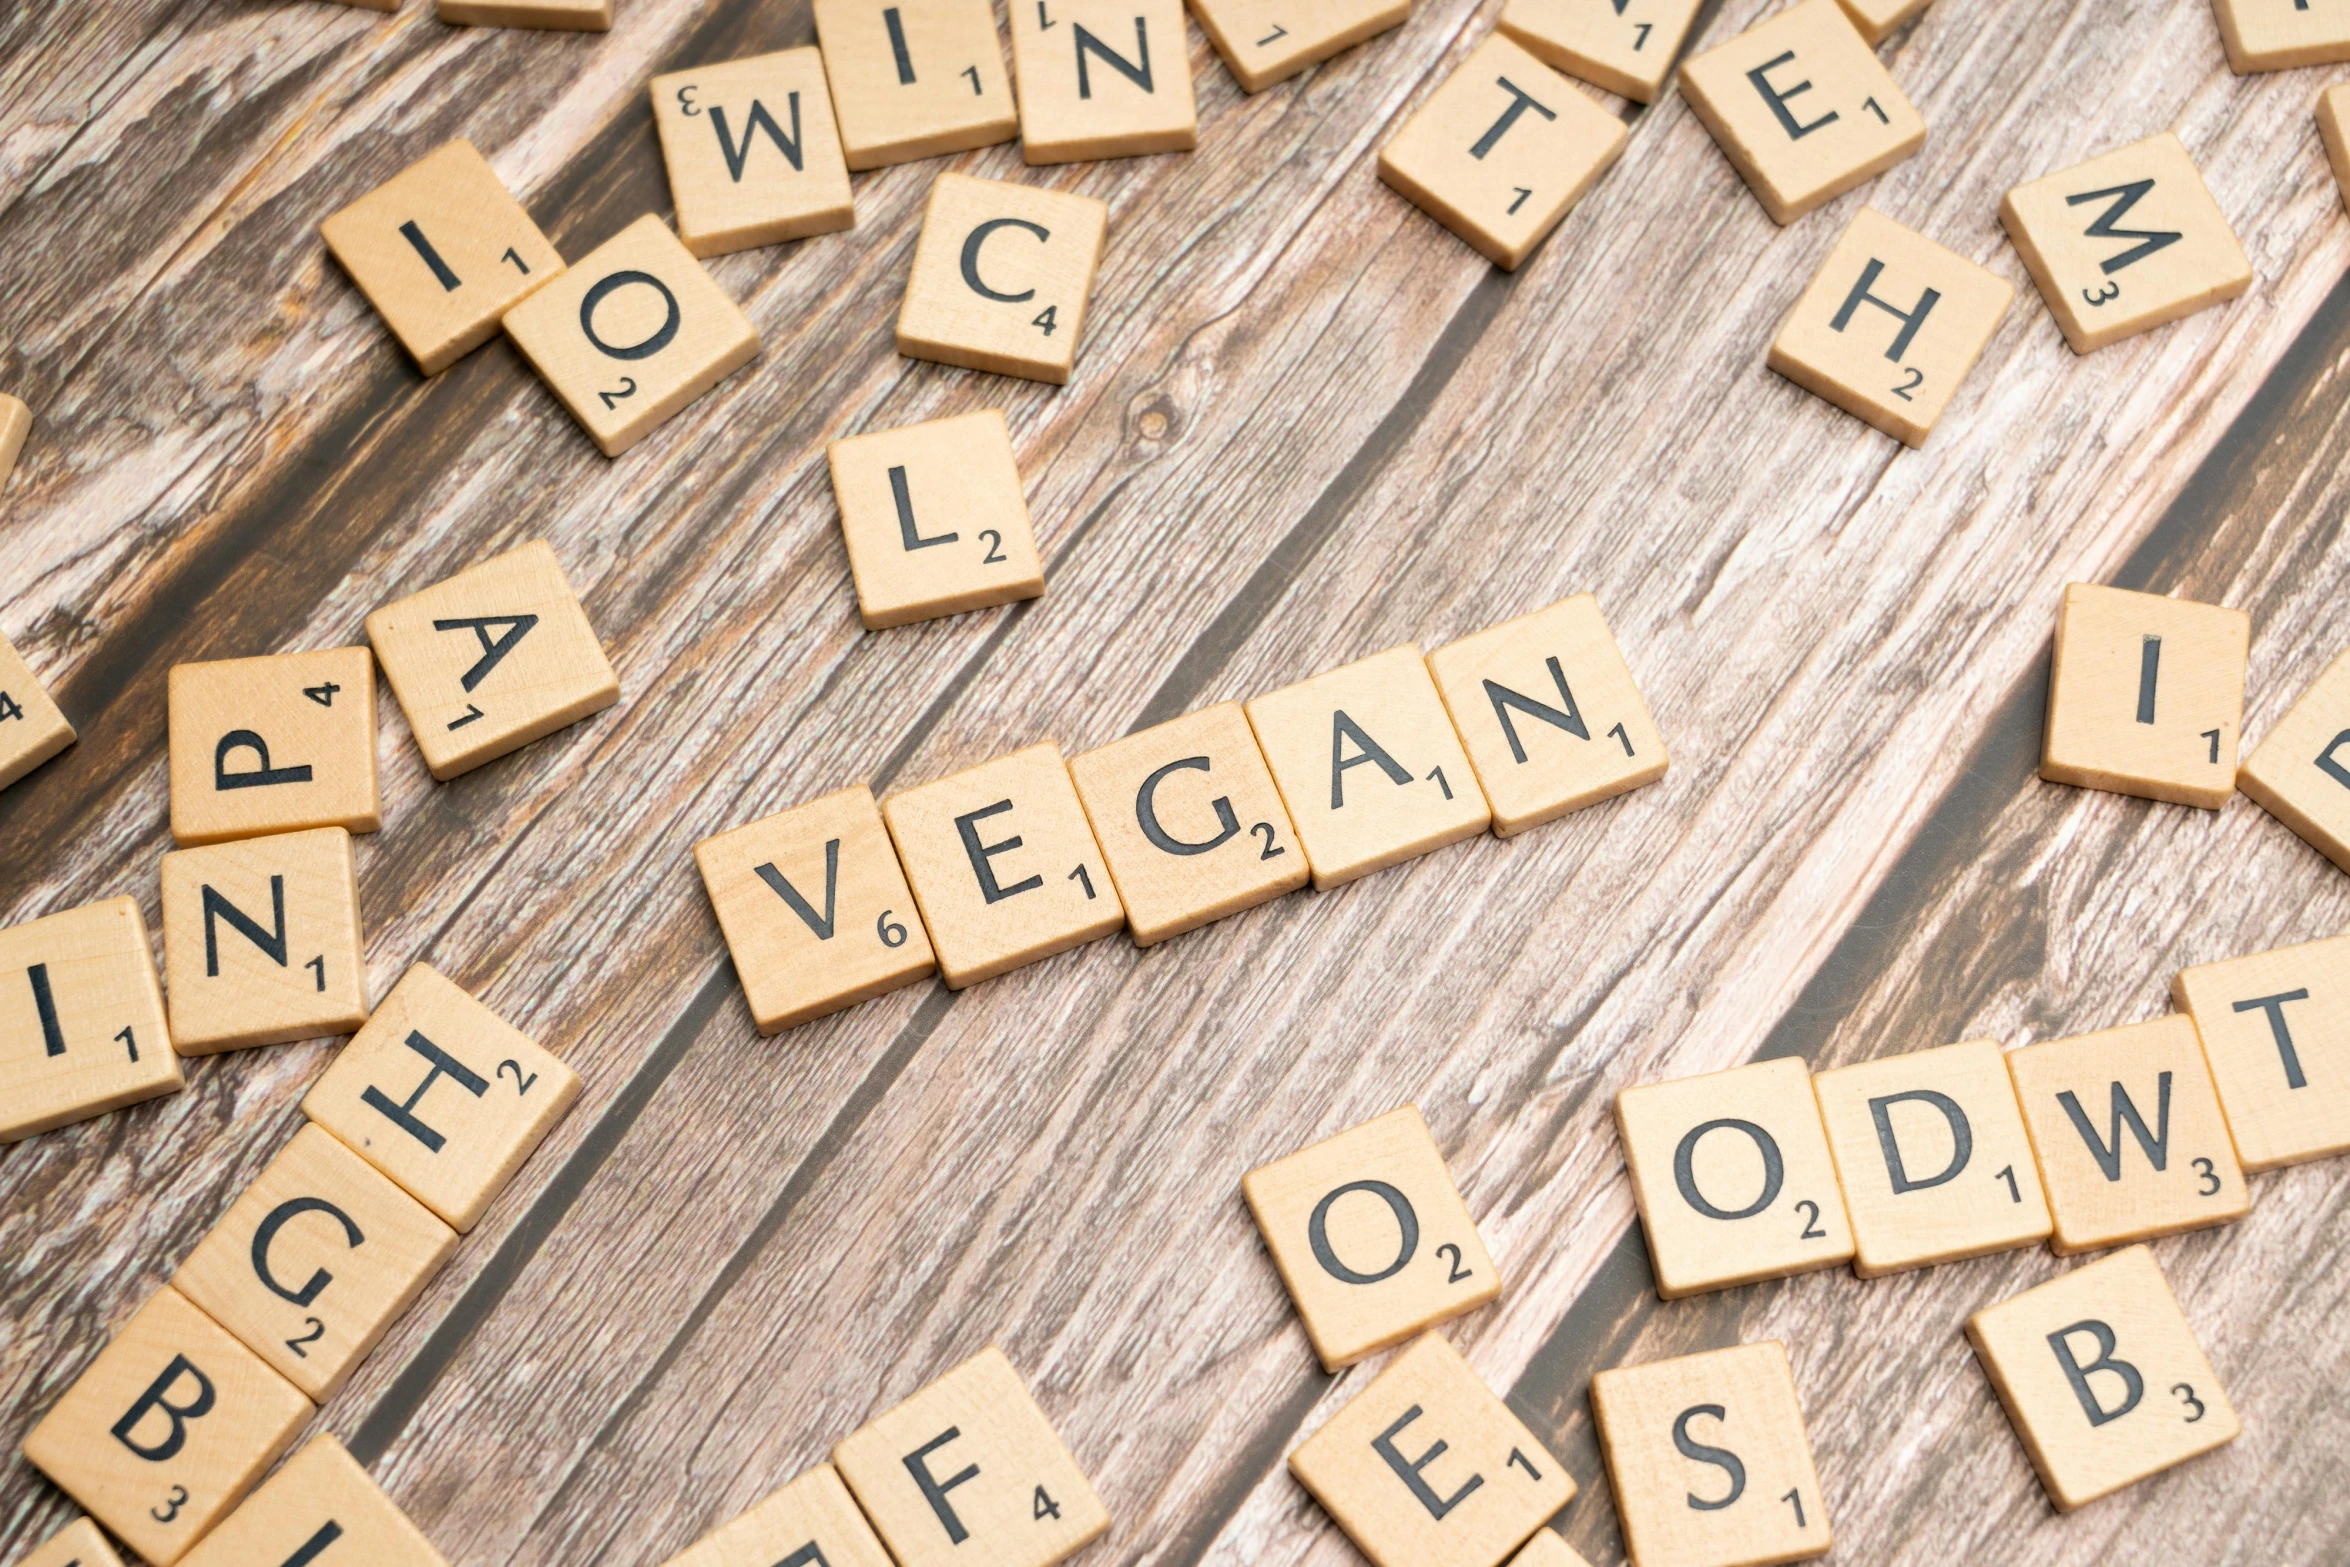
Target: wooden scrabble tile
(1626,51)
(2276,35)
(1501,151)
(81,1019)
(1710,1460)
(1003,865)
(491,659)
(1268,41)
(2332,104)
(1369,765)
(935,519)
(16,422)
(276,744)
(1427,1467)
(1549,714)
(1890,325)
(2275,1028)
(32,729)
(1371,1237)
(915,78)
(168,1429)
(2300,773)
(2102,1377)
(968,1472)
(578,16)
(261,941)
(315,1262)
(815,909)
(1001,277)
(320,1508)
(811,1520)
(1189,820)
(1733,1177)
(1091,85)
(443,251)
(753,155)
(2146,695)
(442,1095)
(1875,20)
(2129,1135)
(2125,242)
(1546,1549)
(79,1544)
(1932,1157)
(633,333)
(1801,108)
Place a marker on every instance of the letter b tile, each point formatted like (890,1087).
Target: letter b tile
(1001,277)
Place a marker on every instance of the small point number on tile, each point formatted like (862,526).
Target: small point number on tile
(1917,378)
(2186,1395)
(892,934)
(1519,1458)
(1457,1273)
(1045,1506)
(994,555)
(173,1501)
(317,966)
(1271,851)
(972,71)
(317,1332)
(627,389)
(1078,876)
(522,1084)
(1049,320)
(2208,1182)
(1795,1499)
(130,1041)
(2007,1174)
(323,695)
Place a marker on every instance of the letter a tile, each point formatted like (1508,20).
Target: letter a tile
(1501,151)
(969,1473)
(815,909)
(1371,1237)
(633,333)
(2300,773)
(1711,1463)
(168,1429)
(1093,86)
(753,156)
(915,78)
(261,941)
(442,1095)
(1625,49)
(2275,1028)
(79,1544)
(32,729)
(1801,108)
(2276,35)
(277,744)
(320,1508)
(811,1520)
(935,519)
(2102,1377)
(2125,242)
(81,1019)
(1427,1468)
(1733,1177)
(1001,277)
(2129,1135)
(2146,696)
(1268,41)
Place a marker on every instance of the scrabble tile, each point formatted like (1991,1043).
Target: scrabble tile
(815,909)
(1092,86)
(2125,242)
(753,155)
(320,1508)
(2129,1135)
(261,941)
(1501,151)
(1875,20)
(633,333)
(315,1262)
(1890,325)
(579,16)
(1733,1177)
(915,78)
(2102,1377)
(276,744)
(935,519)
(1546,1549)
(1627,51)
(443,251)
(2276,35)
(491,659)
(1549,714)
(2275,1028)
(1371,1237)
(32,729)
(2146,695)
(1187,817)
(16,422)
(1932,1157)
(1427,1467)
(811,1520)
(442,1095)
(1369,766)
(168,1429)
(78,1544)
(1801,108)
(1710,1461)
(2332,104)
(1001,276)
(2300,772)
(81,1019)
(1268,41)
(1003,865)
(969,1472)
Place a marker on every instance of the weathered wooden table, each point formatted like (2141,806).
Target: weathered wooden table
(1307,424)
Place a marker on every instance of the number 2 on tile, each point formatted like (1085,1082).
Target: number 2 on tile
(1811,1222)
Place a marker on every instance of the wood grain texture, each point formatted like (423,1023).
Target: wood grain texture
(1306,424)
